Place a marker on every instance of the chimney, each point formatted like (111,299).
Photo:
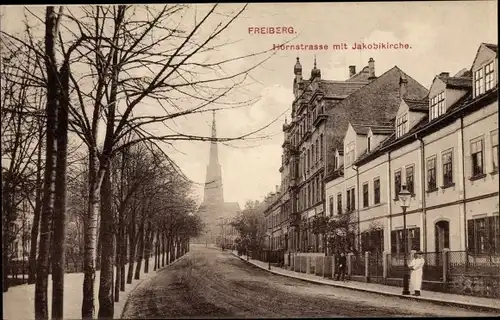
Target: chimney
(371,69)
(352,71)
(403,82)
(444,74)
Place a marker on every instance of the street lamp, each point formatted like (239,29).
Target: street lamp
(404,200)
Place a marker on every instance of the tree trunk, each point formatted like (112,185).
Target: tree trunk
(149,242)
(60,202)
(140,254)
(172,249)
(37,211)
(42,268)
(124,258)
(90,238)
(157,251)
(132,248)
(106,306)
(7,208)
(118,257)
(163,249)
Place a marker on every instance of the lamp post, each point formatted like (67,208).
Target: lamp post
(404,199)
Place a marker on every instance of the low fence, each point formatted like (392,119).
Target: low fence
(449,271)
(474,274)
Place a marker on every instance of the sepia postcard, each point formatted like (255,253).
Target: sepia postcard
(250,160)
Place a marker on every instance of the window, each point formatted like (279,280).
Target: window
(410,179)
(335,162)
(376,191)
(308,159)
(369,143)
(397,184)
(372,241)
(447,168)
(401,125)
(339,203)
(365,195)
(397,240)
(476,150)
(317,150)
(431,173)
(321,146)
(350,153)
(494,149)
(313,156)
(478,82)
(353,200)
(437,107)
(483,235)
(488,76)
(330,205)
(348,201)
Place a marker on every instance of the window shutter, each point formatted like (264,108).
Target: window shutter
(393,241)
(490,234)
(470,236)
(415,243)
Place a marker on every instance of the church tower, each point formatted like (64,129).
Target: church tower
(215,213)
(213,194)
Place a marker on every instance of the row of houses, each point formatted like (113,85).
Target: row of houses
(351,145)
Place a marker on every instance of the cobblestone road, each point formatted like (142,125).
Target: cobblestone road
(212,284)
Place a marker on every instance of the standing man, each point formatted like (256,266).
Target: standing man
(417,269)
(342,265)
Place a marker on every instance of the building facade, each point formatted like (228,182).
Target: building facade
(444,148)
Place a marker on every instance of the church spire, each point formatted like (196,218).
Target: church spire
(214,130)
(213,196)
(214,153)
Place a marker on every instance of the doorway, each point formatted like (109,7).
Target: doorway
(442,234)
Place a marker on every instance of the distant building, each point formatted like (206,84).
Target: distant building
(213,207)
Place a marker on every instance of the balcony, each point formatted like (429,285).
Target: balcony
(319,119)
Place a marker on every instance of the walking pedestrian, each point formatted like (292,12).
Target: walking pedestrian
(417,269)
(341,266)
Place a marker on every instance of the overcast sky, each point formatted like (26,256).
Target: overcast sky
(444,37)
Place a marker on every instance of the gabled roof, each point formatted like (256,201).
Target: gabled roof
(378,101)
(231,208)
(339,89)
(361,129)
(417,105)
(491,46)
(457,82)
(363,75)
(424,127)
(382,130)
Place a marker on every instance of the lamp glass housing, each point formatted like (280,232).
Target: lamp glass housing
(404,197)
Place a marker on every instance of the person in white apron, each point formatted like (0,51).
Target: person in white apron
(417,269)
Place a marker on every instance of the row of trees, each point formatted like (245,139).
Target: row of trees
(80,83)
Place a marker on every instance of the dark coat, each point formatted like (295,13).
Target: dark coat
(342,260)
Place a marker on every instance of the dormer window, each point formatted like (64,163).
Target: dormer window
(437,106)
(478,82)
(349,154)
(488,76)
(369,143)
(401,125)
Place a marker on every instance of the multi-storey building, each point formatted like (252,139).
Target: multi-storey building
(304,149)
(444,148)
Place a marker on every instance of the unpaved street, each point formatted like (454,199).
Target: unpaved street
(214,284)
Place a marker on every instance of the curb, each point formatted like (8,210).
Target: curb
(149,276)
(472,307)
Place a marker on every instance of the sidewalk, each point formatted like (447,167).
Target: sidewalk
(468,302)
